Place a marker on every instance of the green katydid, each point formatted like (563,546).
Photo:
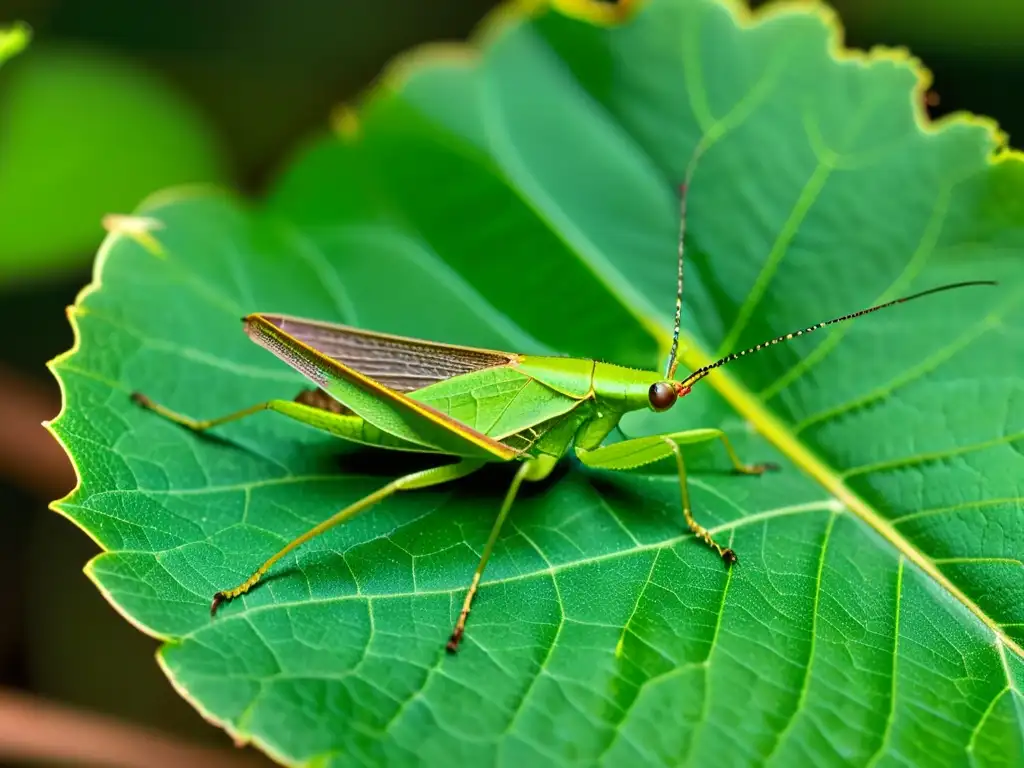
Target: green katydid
(480,406)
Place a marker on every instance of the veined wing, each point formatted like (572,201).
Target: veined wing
(390,411)
(399,363)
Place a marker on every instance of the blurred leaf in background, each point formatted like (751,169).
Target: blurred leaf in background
(84,133)
(13,40)
(991,28)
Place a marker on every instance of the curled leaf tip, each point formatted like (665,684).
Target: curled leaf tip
(14,39)
(138,228)
(598,11)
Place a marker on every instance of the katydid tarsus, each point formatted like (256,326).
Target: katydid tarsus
(480,406)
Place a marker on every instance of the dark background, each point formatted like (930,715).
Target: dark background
(117,98)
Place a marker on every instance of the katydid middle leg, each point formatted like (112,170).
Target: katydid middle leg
(422,479)
(647,450)
(354,429)
(533,469)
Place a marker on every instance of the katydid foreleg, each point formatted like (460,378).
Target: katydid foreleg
(647,450)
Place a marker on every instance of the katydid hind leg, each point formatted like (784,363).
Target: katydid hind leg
(197,425)
(422,479)
(314,408)
(534,469)
(316,399)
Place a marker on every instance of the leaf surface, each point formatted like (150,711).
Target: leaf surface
(523,198)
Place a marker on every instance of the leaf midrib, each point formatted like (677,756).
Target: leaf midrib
(782,437)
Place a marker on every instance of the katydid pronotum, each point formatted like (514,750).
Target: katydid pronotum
(479,406)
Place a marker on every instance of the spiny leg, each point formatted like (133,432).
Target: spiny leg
(421,479)
(532,469)
(702,533)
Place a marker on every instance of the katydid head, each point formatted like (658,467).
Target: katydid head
(663,394)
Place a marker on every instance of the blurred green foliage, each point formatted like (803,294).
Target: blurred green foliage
(983,27)
(223,91)
(13,40)
(84,133)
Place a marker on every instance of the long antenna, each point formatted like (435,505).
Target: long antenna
(670,366)
(684,188)
(700,373)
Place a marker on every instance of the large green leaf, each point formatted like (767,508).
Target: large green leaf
(525,198)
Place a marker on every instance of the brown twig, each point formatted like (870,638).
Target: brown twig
(29,456)
(38,730)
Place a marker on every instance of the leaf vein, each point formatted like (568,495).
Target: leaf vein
(925,458)
(806,684)
(891,717)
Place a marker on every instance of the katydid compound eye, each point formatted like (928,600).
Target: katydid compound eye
(662,396)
